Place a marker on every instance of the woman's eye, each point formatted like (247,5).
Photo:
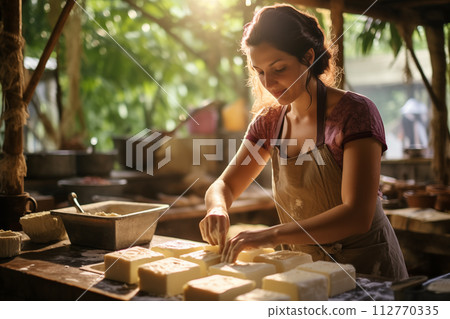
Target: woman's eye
(280,70)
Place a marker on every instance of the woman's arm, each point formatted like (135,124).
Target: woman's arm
(240,172)
(360,180)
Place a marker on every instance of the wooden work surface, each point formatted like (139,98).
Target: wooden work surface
(420,220)
(424,236)
(58,272)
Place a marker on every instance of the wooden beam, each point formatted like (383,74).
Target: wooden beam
(416,3)
(385,12)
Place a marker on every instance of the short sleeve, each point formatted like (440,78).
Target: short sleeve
(263,128)
(364,121)
(357,117)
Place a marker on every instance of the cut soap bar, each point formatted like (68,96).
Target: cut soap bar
(203,258)
(341,277)
(264,295)
(217,287)
(10,243)
(298,284)
(176,248)
(167,276)
(122,265)
(249,255)
(43,227)
(252,271)
(284,260)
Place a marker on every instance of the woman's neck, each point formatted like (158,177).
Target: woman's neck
(306,103)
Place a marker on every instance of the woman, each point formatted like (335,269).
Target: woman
(327,199)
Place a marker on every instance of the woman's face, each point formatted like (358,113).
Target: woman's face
(279,72)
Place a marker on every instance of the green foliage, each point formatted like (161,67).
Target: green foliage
(146,67)
(140,72)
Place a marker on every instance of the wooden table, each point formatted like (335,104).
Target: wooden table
(424,236)
(58,272)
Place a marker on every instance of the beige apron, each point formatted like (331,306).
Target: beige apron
(310,184)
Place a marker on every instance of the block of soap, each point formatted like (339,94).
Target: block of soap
(249,255)
(341,277)
(213,248)
(217,288)
(204,258)
(176,248)
(251,271)
(238,228)
(122,265)
(298,284)
(43,227)
(167,276)
(10,243)
(284,260)
(262,294)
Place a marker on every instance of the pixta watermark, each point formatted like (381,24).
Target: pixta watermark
(141,151)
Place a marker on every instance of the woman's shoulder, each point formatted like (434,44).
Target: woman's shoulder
(268,114)
(353,104)
(264,125)
(353,99)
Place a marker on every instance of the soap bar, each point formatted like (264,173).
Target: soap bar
(298,284)
(213,248)
(262,294)
(43,227)
(203,258)
(167,276)
(122,265)
(341,277)
(176,248)
(217,288)
(251,271)
(10,243)
(249,255)
(284,260)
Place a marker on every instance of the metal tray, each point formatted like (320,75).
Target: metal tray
(135,225)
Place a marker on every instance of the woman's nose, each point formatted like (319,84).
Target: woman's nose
(268,81)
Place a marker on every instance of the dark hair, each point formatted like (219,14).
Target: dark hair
(294,32)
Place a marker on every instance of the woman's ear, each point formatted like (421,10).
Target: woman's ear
(309,56)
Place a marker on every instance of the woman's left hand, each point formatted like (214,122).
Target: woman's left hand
(247,240)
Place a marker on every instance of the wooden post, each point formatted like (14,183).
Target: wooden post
(14,169)
(439,128)
(337,29)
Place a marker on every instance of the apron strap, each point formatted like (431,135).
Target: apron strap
(321,111)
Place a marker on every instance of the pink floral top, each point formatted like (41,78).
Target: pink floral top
(354,117)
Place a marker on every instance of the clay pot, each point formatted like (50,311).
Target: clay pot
(443,196)
(13,207)
(96,163)
(405,186)
(54,164)
(420,199)
(443,202)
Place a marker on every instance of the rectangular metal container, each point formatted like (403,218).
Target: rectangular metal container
(135,225)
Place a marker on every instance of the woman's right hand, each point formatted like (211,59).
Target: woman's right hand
(214,227)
